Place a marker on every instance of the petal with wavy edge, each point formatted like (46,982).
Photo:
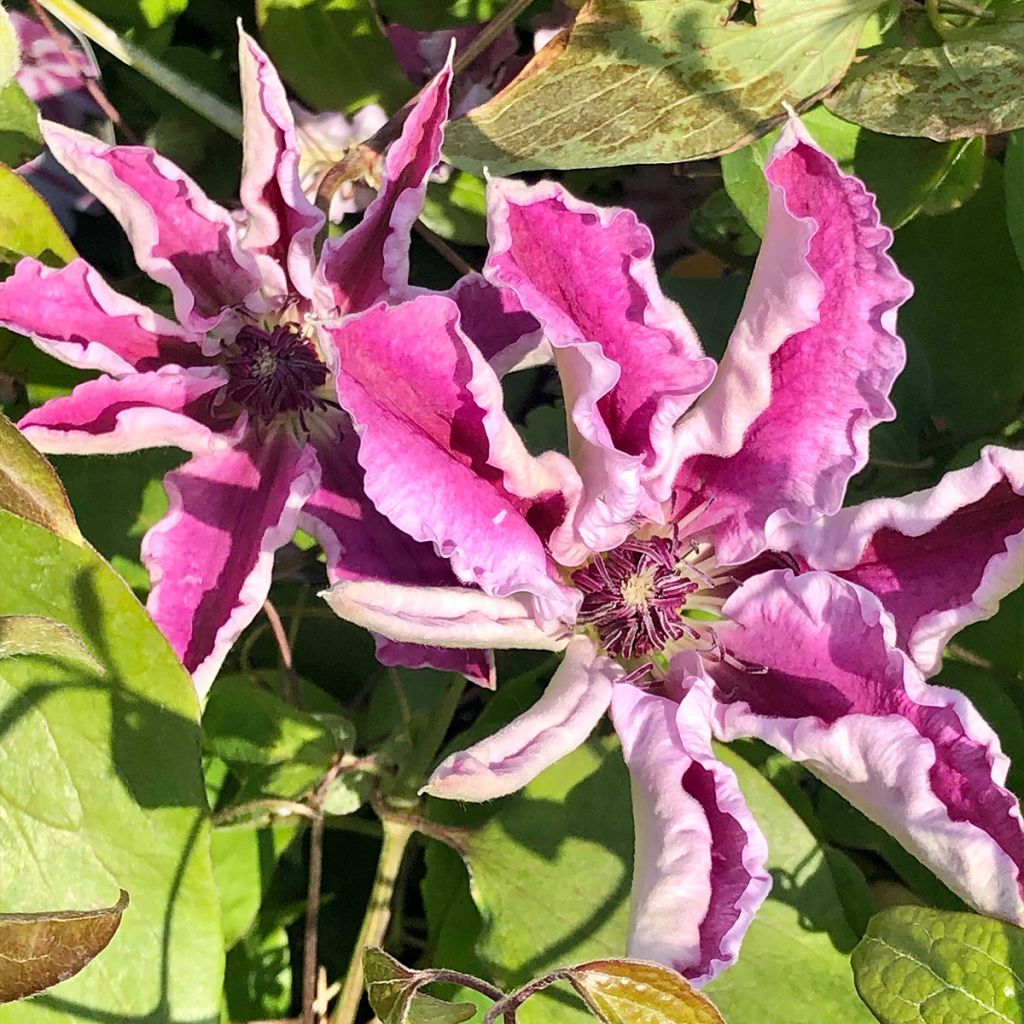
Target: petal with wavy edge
(441,459)
(630,362)
(564,716)
(372,260)
(476,666)
(939,559)
(508,337)
(211,556)
(838,696)
(181,238)
(72,314)
(699,872)
(809,366)
(461,617)
(282,222)
(107,416)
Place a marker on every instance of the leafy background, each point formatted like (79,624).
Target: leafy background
(110,779)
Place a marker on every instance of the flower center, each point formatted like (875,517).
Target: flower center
(275,372)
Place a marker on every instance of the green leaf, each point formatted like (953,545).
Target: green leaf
(921,966)
(426,15)
(36,634)
(457,209)
(656,81)
(970,85)
(244,724)
(29,488)
(1014,170)
(392,990)
(633,992)
(258,981)
(28,226)
(101,787)
(9,55)
(333,53)
(967,311)
(20,137)
(39,950)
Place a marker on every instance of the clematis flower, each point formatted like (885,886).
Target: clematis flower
(721,590)
(242,381)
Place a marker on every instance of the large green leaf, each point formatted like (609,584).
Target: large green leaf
(27,225)
(100,789)
(921,966)
(20,137)
(9,57)
(550,876)
(656,81)
(968,86)
(333,53)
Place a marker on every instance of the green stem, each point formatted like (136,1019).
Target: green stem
(375,921)
(213,108)
(938,22)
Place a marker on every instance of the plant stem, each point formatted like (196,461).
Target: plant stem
(938,22)
(375,921)
(213,108)
(501,21)
(291,680)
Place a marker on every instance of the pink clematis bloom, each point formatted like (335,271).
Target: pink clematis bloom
(723,593)
(243,382)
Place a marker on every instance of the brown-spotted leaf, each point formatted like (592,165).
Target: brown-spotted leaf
(971,85)
(40,950)
(37,634)
(637,992)
(30,488)
(657,81)
(392,988)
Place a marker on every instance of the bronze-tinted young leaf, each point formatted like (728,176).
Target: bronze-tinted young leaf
(636,992)
(392,990)
(40,950)
(656,81)
(37,634)
(971,85)
(29,487)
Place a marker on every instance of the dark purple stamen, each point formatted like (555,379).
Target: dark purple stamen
(634,596)
(275,372)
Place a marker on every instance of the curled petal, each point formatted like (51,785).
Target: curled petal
(630,362)
(837,695)
(476,666)
(73,315)
(699,872)
(181,238)
(939,559)
(282,222)
(809,366)
(211,556)
(442,616)
(566,714)
(144,410)
(372,260)
(442,461)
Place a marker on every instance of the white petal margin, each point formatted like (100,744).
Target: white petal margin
(699,872)
(572,705)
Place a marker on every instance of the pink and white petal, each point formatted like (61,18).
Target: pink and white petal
(282,223)
(809,366)
(72,314)
(699,873)
(938,559)
(565,715)
(210,558)
(456,617)
(181,238)
(476,666)
(106,416)
(837,695)
(494,320)
(630,362)
(372,260)
(442,461)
